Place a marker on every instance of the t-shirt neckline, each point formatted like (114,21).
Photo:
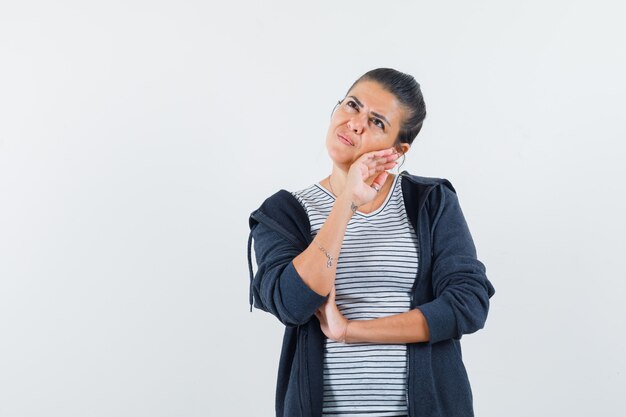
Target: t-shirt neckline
(379,209)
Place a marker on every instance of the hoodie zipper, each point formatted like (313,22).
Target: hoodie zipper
(411,306)
(408,370)
(305,399)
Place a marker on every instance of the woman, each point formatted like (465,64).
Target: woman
(374,275)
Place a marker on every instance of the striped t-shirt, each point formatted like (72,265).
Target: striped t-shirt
(376,270)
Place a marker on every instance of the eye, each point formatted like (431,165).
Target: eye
(352,104)
(379,123)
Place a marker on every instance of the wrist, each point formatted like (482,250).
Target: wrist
(344,337)
(346,204)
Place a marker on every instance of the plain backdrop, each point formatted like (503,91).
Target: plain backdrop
(137,136)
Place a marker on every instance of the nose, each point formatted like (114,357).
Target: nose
(357,123)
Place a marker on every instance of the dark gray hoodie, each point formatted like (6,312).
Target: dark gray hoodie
(451,290)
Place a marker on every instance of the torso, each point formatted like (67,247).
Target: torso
(376,270)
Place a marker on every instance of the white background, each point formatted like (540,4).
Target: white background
(137,137)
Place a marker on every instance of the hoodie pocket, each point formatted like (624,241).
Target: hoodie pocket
(305,392)
(293,405)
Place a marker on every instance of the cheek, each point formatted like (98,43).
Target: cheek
(335,122)
(330,133)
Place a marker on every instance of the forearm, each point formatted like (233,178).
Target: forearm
(408,327)
(312,263)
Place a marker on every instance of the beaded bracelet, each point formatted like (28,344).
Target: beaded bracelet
(329,258)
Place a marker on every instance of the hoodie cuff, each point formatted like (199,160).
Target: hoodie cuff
(440,319)
(299,300)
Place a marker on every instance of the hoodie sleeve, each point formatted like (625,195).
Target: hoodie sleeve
(277,287)
(460,285)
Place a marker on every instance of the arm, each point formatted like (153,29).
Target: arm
(408,327)
(277,286)
(292,284)
(460,287)
(312,263)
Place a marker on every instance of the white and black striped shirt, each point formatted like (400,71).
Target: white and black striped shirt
(376,270)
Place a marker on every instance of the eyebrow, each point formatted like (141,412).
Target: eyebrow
(380,116)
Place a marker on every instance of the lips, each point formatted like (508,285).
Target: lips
(345,140)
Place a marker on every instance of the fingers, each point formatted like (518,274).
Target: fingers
(383,152)
(369,165)
(331,296)
(381,162)
(388,154)
(378,163)
(379,158)
(380,179)
(376,167)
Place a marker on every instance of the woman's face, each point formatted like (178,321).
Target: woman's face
(368,119)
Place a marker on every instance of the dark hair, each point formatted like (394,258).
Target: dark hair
(408,93)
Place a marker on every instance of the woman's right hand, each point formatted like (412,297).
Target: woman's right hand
(369,169)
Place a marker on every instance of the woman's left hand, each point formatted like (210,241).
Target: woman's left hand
(332,322)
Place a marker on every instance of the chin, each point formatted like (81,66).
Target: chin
(339,153)
(341,162)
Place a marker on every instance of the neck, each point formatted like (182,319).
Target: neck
(337,180)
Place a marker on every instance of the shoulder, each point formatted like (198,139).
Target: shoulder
(428,192)
(278,207)
(424,182)
(283,213)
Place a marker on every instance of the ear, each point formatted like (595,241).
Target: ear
(403,147)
